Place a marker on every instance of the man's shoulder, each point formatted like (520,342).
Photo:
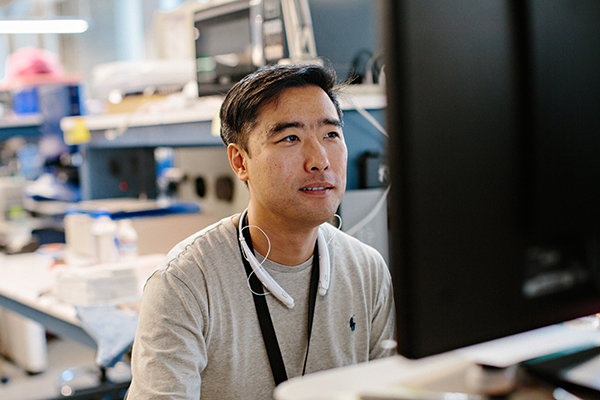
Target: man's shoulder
(333,233)
(211,238)
(349,245)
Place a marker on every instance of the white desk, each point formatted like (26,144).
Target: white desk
(349,383)
(454,372)
(26,283)
(24,278)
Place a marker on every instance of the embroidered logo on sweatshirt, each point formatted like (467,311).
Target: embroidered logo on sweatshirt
(352,323)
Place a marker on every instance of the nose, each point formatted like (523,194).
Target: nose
(316,156)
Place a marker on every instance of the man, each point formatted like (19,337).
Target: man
(199,334)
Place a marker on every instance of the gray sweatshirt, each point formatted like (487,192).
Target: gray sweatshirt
(199,337)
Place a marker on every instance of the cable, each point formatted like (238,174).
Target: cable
(370,118)
(363,222)
(369,68)
(338,228)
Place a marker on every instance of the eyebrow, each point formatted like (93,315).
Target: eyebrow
(294,124)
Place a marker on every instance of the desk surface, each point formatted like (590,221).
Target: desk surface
(24,280)
(455,372)
(26,285)
(349,383)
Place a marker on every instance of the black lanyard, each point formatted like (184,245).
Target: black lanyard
(264,317)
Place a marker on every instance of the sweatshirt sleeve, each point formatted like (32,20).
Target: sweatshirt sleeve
(384,316)
(169,350)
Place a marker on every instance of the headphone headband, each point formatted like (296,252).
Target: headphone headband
(265,278)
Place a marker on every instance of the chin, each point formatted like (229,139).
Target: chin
(322,215)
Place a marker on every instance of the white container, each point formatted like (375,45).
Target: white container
(23,341)
(128,240)
(104,239)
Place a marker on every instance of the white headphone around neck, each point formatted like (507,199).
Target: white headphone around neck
(270,283)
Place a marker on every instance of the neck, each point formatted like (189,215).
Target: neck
(289,245)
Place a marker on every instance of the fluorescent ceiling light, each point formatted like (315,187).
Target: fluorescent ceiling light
(43,26)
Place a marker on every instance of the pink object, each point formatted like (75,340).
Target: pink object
(30,66)
(32,61)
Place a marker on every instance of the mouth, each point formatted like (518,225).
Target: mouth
(317,188)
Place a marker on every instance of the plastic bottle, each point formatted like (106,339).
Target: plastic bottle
(128,240)
(104,239)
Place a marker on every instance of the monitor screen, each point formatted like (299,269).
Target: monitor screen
(494,155)
(223,48)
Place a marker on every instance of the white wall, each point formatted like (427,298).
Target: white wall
(122,30)
(119,30)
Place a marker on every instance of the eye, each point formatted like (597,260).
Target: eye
(290,138)
(332,135)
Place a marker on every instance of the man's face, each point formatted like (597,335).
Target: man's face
(296,160)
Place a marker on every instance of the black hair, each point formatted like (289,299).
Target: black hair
(239,110)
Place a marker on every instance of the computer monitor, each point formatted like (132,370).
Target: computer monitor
(494,155)
(226,40)
(236,37)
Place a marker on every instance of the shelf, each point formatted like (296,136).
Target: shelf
(26,125)
(162,124)
(156,125)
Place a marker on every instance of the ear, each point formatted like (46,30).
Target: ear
(237,160)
